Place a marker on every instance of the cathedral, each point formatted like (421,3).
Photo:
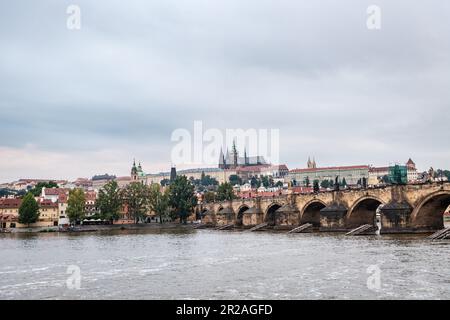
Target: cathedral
(137,174)
(232,160)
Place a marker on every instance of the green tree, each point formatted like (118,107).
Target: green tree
(225,192)
(28,210)
(209,196)
(279,184)
(76,205)
(109,201)
(164,182)
(344,182)
(265,181)
(182,198)
(206,180)
(136,196)
(316,186)
(235,179)
(36,191)
(159,201)
(325,184)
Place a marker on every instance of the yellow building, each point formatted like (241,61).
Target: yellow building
(48,214)
(9,214)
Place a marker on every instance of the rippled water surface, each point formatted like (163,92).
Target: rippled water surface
(209,264)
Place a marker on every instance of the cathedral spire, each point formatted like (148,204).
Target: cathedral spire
(221,159)
(245,156)
(235,154)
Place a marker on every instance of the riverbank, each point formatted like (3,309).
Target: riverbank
(97,228)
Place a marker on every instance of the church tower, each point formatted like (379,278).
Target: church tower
(245,157)
(173,174)
(221,160)
(134,171)
(235,155)
(311,164)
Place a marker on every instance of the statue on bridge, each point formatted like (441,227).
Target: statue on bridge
(336,184)
(431,175)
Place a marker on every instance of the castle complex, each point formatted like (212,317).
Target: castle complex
(232,160)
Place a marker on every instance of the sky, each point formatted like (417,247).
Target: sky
(74,103)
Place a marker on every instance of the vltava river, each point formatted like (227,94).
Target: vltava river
(209,264)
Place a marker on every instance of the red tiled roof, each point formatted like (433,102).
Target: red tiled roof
(90,195)
(48,203)
(123,178)
(252,168)
(55,191)
(254,194)
(10,203)
(330,168)
(377,169)
(299,189)
(277,167)
(9,217)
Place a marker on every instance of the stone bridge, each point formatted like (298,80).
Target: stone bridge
(403,209)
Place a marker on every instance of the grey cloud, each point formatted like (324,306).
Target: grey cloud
(140,69)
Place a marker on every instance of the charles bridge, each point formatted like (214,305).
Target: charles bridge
(402,208)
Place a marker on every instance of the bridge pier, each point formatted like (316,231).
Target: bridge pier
(252,217)
(208,218)
(396,217)
(332,218)
(225,216)
(287,217)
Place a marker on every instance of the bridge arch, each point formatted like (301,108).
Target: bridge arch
(270,216)
(240,214)
(429,213)
(363,211)
(311,212)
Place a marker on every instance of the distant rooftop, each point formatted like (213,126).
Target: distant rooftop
(330,168)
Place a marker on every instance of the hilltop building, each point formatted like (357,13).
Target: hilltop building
(378,174)
(303,177)
(233,160)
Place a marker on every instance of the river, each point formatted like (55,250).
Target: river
(210,264)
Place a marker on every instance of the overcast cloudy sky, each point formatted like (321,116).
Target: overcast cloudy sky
(74,103)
